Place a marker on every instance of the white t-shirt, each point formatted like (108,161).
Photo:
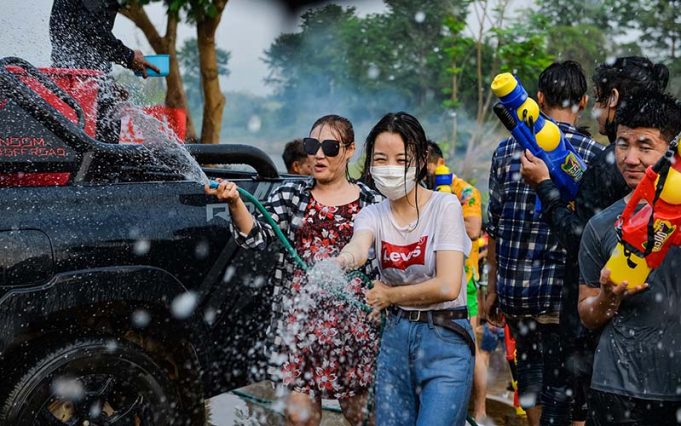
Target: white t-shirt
(408,257)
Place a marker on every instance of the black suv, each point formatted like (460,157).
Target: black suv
(123,298)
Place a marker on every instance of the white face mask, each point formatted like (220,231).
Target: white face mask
(392,182)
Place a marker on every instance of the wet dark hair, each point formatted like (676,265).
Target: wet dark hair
(413,136)
(293,151)
(434,152)
(651,109)
(563,84)
(629,75)
(340,125)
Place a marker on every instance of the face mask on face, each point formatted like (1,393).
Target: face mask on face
(392,182)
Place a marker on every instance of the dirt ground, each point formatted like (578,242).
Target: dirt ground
(253,407)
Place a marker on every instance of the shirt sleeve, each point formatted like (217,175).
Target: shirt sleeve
(91,23)
(366,219)
(591,258)
(262,232)
(495,198)
(565,224)
(471,202)
(451,231)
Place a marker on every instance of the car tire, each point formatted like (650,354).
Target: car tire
(95,381)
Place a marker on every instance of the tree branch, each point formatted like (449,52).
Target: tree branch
(136,13)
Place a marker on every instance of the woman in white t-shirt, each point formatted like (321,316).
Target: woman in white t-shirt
(425,364)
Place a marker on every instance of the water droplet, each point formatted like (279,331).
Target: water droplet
(254,124)
(183,305)
(373,72)
(528,399)
(141,247)
(68,388)
(141,318)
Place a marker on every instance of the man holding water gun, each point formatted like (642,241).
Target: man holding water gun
(526,262)
(637,366)
(602,185)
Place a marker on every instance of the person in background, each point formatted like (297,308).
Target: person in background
(425,365)
(526,262)
(296,160)
(82,38)
(637,367)
(471,206)
(324,348)
(601,186)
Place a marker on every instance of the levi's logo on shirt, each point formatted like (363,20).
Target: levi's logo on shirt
(401,257)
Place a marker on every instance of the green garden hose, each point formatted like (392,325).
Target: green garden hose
(294,254)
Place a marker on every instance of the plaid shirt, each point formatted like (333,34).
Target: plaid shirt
(530,261)
(287,205)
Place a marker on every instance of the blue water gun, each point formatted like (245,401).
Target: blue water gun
(521,116)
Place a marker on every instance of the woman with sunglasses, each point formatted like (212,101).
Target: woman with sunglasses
(326,348)
(425,365)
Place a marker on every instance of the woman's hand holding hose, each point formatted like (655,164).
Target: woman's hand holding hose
(228,191)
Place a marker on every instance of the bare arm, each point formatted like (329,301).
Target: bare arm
(473,226)
(598,305)
(445,286)
(356,252)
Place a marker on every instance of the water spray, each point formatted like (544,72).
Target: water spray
(294,254)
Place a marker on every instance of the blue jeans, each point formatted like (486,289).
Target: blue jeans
(425,374)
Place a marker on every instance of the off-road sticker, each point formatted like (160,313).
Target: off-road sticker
(221,210)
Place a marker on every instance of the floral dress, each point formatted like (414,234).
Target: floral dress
(331,345)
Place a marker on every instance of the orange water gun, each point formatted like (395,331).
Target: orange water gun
(646,235)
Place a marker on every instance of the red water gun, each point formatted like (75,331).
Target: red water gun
(646,235)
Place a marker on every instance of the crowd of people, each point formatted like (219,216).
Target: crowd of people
(588,350)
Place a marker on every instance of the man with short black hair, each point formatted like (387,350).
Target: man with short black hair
(297,162)
(637,366)
(526,262)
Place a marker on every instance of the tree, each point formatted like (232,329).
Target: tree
(188,57)
(206,15)
(492,45)
(175,95)
(660,24)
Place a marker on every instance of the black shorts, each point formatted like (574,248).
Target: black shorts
(612,409)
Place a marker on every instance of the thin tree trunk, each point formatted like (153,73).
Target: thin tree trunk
(214,100)
(175,95)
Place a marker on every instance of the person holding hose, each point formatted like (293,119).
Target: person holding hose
(324,348)
(425,365)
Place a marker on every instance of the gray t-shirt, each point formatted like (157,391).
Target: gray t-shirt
(407,254)
(639,351)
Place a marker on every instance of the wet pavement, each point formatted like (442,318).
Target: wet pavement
(254,407)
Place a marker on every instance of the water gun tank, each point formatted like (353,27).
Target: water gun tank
(520,114)
(443,179)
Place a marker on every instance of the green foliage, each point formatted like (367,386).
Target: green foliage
(660,24)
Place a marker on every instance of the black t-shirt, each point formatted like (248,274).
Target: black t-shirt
(80,31)
(639,351)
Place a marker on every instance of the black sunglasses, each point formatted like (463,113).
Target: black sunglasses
(330,147)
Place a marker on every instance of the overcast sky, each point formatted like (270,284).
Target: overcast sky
(248,27)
